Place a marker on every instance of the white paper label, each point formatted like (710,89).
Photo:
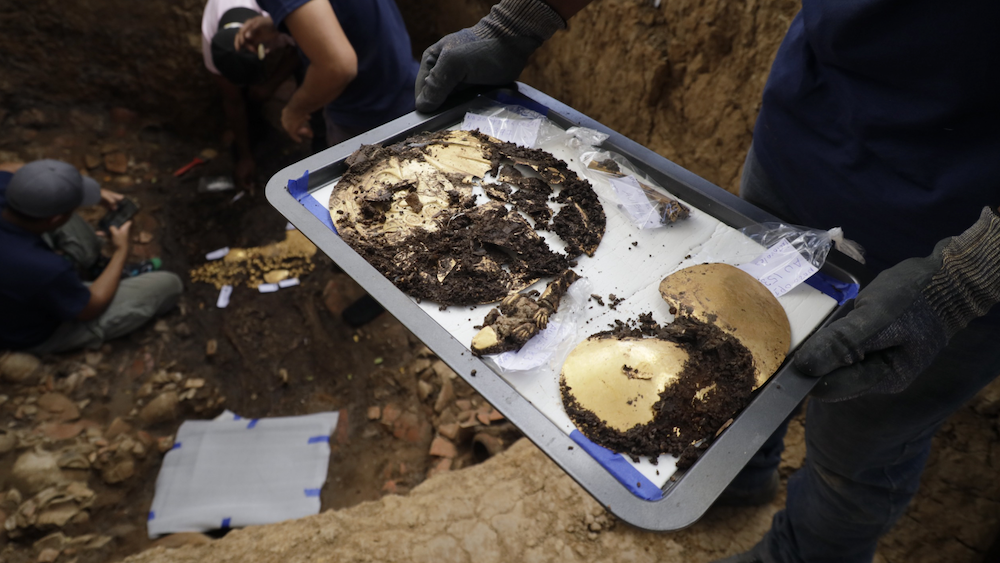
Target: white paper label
(224,294)
(216,254)
(523,132)
(635,202)
(267,287)
(780,269)
(288,283)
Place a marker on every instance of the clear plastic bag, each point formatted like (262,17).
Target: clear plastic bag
(813,244)
(509,123)
(645,202)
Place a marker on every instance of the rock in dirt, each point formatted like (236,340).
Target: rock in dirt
(18,367)
(161,409)
(117,427)
(58,407)
(36,470)
(442,447)
(48,555)
(116,162)
(118,471)
(8,441)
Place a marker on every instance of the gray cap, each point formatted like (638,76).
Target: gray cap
(45,188)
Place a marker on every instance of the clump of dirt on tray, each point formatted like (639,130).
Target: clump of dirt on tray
(408,208)
(686,417)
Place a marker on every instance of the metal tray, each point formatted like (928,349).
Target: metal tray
(689,494)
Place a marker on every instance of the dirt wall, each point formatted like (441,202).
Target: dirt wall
(683,78)
(145,56)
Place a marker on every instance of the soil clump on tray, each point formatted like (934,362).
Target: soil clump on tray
(715,383)
(409,209)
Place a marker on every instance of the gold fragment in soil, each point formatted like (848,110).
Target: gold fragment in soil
(738,304)
(621,380)
(291,257)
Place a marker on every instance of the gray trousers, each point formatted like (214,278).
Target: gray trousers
(137,300)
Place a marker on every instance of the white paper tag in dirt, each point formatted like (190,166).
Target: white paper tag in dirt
(267,287)
(217,254)
(288,283)
(780,269)
(224,294)
(635,202)
(523,132)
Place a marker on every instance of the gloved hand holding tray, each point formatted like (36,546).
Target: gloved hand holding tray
(626,268)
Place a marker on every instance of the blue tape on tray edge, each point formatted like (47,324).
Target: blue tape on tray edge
(252,423)
(620,468)
(299,189)
(176,446)
(505,98)
(226,522)
(839,290)
(312,492)
(318,439)
(151,515)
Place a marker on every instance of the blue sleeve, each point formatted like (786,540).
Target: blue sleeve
(279,10)
(64,297)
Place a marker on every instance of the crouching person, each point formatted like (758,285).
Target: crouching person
(44,305)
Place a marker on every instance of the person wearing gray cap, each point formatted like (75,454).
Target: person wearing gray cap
(46,307)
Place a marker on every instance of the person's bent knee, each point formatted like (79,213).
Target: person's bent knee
(168,288)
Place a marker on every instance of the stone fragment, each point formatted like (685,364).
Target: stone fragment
(48,555)
(194,383)
(390,413)
(449,430)
(161,409)
(374,412)
(60,430)
(116,162)
(18,367)
(443,371)
(410,428)
(8,441)
(424,389)
(59,407)
(118,471)
(211,347)
(36,470)
(92,161)
(117,427)
(446,396)
(442,447)
(340,292)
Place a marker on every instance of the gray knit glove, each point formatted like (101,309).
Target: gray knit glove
(906,316)
(492,52)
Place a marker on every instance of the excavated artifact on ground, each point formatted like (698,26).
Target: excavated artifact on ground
(410,210)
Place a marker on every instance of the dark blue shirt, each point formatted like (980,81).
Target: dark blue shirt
(38,288)
(883,117)
(383,87)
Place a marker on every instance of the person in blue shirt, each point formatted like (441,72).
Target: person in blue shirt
(46,307)
(880,117)
(361,68)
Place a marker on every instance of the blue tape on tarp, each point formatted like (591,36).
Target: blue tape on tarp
(299,189)
(176,446)
(226,521)
(151,515)
(252,423)
(312,492)
(839,290)
(318,439)
(620,468)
